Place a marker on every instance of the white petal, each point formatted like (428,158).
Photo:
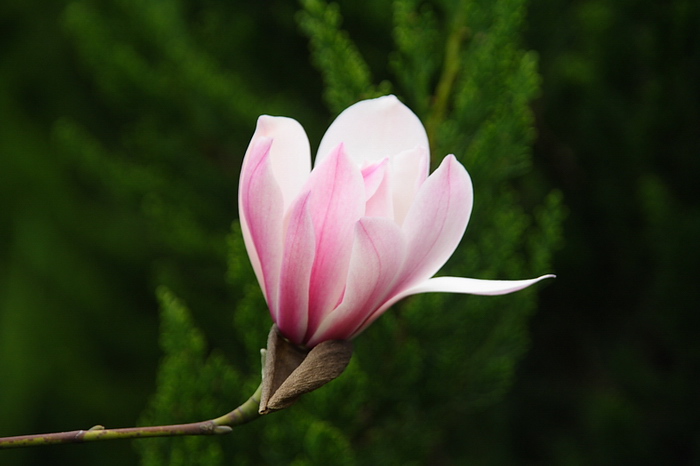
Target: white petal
(471,286)
(374,129)
(455,285)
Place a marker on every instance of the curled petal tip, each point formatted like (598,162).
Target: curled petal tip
(472,286)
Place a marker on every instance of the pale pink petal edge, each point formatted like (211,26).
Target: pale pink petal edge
(290,153)
(471,286)
(456,285)
(260,213)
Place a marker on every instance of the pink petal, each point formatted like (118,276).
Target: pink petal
(298,260)
(290,155)
(456,285)
(261,210)
(409,170)
(336,203)
(377,255)
(436,221)
(374,129)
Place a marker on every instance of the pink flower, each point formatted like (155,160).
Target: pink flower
(336,246)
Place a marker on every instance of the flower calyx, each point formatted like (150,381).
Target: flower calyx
(291,371)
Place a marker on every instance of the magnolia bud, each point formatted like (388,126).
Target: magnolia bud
(291,371)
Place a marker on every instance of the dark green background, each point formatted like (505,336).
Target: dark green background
(613,372)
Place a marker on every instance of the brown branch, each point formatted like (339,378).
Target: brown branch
(221,425)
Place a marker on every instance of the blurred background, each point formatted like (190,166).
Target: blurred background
(122,128)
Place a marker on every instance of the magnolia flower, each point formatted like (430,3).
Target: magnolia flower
(336,246)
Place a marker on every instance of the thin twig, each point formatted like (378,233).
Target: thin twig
(221,425)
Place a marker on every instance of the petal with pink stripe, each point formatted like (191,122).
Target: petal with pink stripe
(337,201)
(378,253)
(297,262)
(436,221)
(261,211)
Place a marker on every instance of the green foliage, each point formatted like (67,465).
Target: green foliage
(346,74)
(418,53)
(619,123)
(192,386)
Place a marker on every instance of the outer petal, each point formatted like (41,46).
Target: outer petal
(290,155)
(436,221)
(260,205)
(337,201)
(374,129)
(298,260)
(377,256)
(455,285)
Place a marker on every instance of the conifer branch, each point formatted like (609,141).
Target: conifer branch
(246,412)
(450,70)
